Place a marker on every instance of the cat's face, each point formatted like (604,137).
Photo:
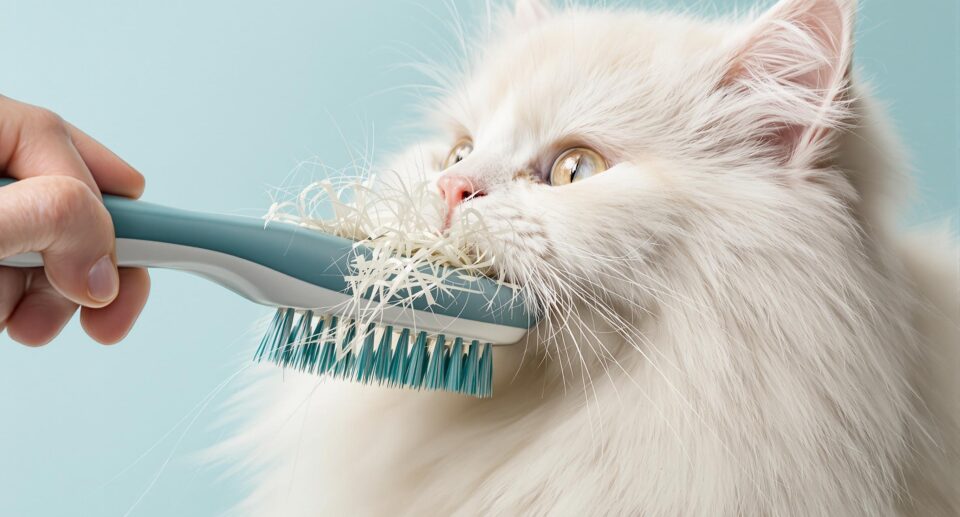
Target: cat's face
(598,144)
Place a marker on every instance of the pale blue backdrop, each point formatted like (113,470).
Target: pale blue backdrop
(216,102)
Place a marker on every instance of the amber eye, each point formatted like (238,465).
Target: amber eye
(576,164)
(461,150)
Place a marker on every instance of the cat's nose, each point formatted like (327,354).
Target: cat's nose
(455,189)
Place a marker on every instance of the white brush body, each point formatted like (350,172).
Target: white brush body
(272,288)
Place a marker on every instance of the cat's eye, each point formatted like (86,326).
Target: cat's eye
(460,150)
(576,164)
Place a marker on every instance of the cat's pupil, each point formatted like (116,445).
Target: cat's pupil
(572,164)
(462,153)
(458,153)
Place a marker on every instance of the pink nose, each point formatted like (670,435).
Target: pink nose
(454,189)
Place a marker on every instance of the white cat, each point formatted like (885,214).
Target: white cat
(734,325)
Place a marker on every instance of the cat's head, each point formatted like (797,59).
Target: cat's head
(614,150)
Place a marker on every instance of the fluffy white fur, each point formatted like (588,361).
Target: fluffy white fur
(734,324)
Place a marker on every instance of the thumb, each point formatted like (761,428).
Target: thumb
(63,219)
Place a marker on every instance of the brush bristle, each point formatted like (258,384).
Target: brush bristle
(334,347)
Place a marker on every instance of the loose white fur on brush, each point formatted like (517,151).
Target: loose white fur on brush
(734,324)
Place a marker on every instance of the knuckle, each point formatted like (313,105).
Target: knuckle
(46,120)
(69,200)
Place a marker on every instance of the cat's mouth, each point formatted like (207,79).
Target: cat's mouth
(496,249)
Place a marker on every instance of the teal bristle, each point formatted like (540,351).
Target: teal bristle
(381,357)
(329,353)
(471,368)
(454,366)
(398,365)
(270,336)
(294,349)
(328,346)
(433,379)
(417,362)
(344,354)
(485,377)
(365,361)
(309,359)
(283,337)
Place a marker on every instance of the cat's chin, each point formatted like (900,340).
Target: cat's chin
(514,243)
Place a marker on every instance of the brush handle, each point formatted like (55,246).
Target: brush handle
(151,235)
(276,264)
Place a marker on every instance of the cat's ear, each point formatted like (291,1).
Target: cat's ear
(528,13)
(794,62)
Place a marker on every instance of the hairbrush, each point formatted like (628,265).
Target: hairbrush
(439,342)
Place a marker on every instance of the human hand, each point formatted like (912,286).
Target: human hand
(56,209)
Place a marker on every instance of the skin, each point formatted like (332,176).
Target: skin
(56,209)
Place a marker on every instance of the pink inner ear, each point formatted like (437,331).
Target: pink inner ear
(800,41)
(802,46)
(824,22)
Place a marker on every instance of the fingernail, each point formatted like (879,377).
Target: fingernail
(103,281)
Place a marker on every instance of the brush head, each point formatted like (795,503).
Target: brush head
(436,334)
(402,320)
(349,349)
(431,335)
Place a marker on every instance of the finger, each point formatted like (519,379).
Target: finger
(13,283)
(41,314)
(112,174)
(35,142)
(110,324)
(62,219)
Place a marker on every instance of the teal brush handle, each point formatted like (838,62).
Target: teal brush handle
(276,264)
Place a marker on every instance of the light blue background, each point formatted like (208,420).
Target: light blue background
(216,103)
